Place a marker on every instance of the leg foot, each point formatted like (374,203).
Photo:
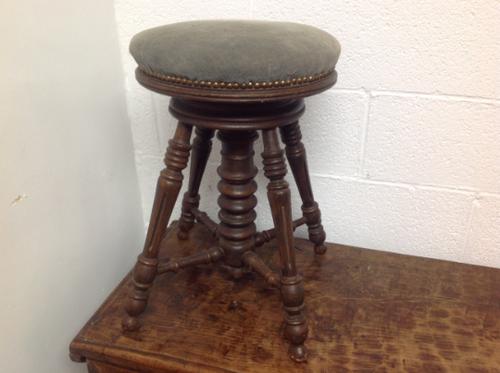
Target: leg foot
(296,329)
(144,275)
(298,353)
(130,324)
(320,249)
(317,234)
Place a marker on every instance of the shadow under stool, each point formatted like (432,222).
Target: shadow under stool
(236,78)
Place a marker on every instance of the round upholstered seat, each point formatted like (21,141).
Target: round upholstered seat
(235,78)
(240,60)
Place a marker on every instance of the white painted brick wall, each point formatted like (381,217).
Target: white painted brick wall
(404,152)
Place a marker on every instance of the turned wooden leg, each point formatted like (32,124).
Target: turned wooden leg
(202,145)
(292,290)
(296,155)
(167,190)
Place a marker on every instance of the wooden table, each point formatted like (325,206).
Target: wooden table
(368,311)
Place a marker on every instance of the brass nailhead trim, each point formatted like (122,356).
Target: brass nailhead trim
(180,80)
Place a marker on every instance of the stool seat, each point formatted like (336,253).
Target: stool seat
(235,58)
(236,79)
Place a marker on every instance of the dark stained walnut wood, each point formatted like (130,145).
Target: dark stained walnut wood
(255,263)
(203,218)
(237,116)
(368,311)
(167,190)
(209,256)
(292,290)
(296,154)
(99,367)
(202,144)
(237,201)
(265,236)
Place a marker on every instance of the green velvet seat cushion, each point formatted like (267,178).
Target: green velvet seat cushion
(235,51)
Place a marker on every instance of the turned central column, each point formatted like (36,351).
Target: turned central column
(237,200)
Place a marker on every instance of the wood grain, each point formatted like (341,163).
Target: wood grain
(368,311)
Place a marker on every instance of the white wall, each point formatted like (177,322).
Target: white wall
(404,151)
(70,217)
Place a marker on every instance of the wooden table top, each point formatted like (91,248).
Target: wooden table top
(367,310)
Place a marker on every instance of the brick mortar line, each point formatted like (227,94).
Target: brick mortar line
(438,96)
(465,191)
(435,96)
